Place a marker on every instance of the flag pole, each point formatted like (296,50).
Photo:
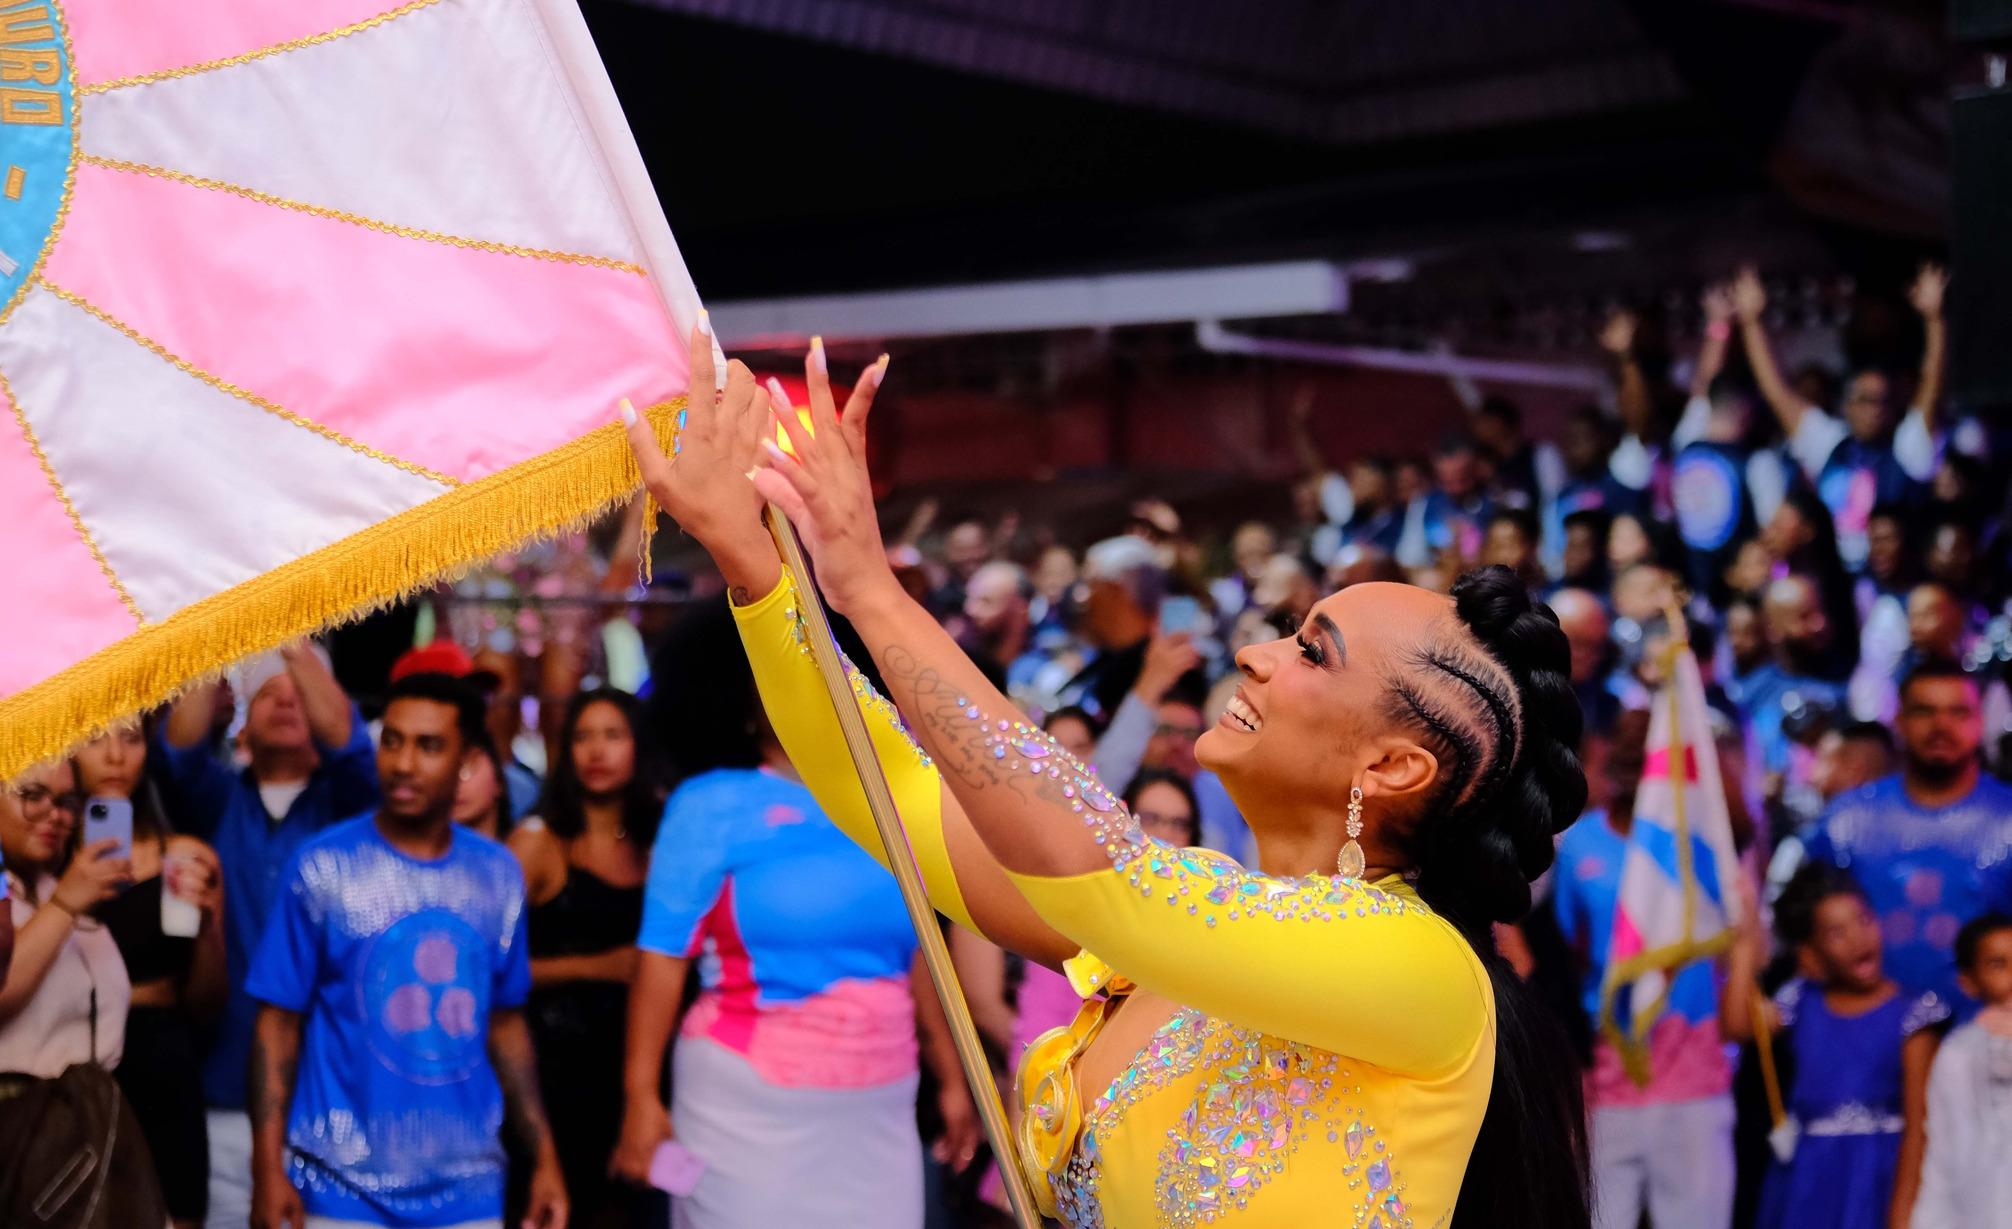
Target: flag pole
(901,860)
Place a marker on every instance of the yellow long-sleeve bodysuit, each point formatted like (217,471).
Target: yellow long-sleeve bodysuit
(1333,1057)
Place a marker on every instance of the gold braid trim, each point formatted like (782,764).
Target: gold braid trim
(56,484)
(440,539)
(337,215)
(221,385)
(295,44)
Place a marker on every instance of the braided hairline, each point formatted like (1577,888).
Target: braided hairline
(1476,770)
(1462,743)
(1504,708)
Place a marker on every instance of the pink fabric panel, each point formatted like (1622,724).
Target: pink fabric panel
(1687,1060)
(859,1033)
(129,38)
(1046,1001)
(460,360)
(59,607)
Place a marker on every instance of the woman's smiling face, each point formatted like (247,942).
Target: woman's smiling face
(1313,711)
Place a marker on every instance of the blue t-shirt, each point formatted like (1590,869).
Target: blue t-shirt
(396,963)
(1767,695)
(1926,871)
(1586,885)
(1857,478)
(223,806)
(746,863)
(1223,827)
(1451,524)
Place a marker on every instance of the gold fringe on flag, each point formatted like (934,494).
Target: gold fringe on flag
(550,494)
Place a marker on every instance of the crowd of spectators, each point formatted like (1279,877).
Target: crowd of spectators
(1828,541)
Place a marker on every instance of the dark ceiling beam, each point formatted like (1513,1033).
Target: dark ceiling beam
(1347,91)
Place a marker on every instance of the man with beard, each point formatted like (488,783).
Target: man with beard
(1931,845)
(997,625)
(1793,682)
(310,764)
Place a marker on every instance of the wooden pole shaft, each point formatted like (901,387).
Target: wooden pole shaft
(901,859)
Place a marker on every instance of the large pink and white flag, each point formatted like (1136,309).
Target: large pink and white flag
(1679,895)
(303,304)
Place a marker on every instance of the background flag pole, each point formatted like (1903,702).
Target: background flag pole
(901,859)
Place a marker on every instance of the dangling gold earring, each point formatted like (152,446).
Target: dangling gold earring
(1350,864)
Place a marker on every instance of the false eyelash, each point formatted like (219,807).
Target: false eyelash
(1312,652)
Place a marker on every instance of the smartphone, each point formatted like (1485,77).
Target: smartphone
(110,817)
(675,1168)
(1180,614)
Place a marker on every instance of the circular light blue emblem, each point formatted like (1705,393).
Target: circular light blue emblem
(425,997)
(38,124)
(1706,492)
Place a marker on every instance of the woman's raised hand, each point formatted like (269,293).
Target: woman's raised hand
(824,488)
(705,487)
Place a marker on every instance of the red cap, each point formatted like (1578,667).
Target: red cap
(440,657)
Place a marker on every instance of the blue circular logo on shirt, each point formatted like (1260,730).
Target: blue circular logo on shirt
(38,124)
(424,994)
(1706,492)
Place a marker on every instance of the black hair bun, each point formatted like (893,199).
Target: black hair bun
(1482,871)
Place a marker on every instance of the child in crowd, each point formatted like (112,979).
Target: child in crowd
(1966,1178)
(1860,1050)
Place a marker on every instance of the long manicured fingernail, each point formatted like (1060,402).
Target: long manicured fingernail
(775,454)
(777,395)
(878,372)
(817,363)
(705,323)
(628,413)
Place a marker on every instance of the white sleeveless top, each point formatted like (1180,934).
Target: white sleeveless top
(52,1031)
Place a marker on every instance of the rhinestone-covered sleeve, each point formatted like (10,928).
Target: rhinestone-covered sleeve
(793,694)
(1345,965)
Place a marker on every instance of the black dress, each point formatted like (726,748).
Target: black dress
(159,1073)
(579,1029)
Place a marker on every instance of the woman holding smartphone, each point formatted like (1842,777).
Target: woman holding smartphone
(168,926)
(64,1000)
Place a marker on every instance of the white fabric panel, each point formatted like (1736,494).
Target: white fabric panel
(187,489)
(580,63)
(1816,436)
(1631,463)
(469,82)
(1914,446)
(1692,426)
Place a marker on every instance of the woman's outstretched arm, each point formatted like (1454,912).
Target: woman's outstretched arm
(708,493)
(1188,925)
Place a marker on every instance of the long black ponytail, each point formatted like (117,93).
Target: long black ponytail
(1512,784)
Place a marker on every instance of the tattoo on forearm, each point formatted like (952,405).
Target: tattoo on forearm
(272,1077)
(517,1072)
(983,751)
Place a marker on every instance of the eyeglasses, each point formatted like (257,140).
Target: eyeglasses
(32,795)
(36,797)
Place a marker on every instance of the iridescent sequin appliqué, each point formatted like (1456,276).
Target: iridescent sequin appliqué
(1259,1104)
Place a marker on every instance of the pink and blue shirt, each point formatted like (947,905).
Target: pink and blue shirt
(1687,1059)
(803,944)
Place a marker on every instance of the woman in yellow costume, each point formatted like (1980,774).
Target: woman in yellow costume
(1328,1040)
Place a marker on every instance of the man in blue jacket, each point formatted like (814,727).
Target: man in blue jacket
(310,764)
